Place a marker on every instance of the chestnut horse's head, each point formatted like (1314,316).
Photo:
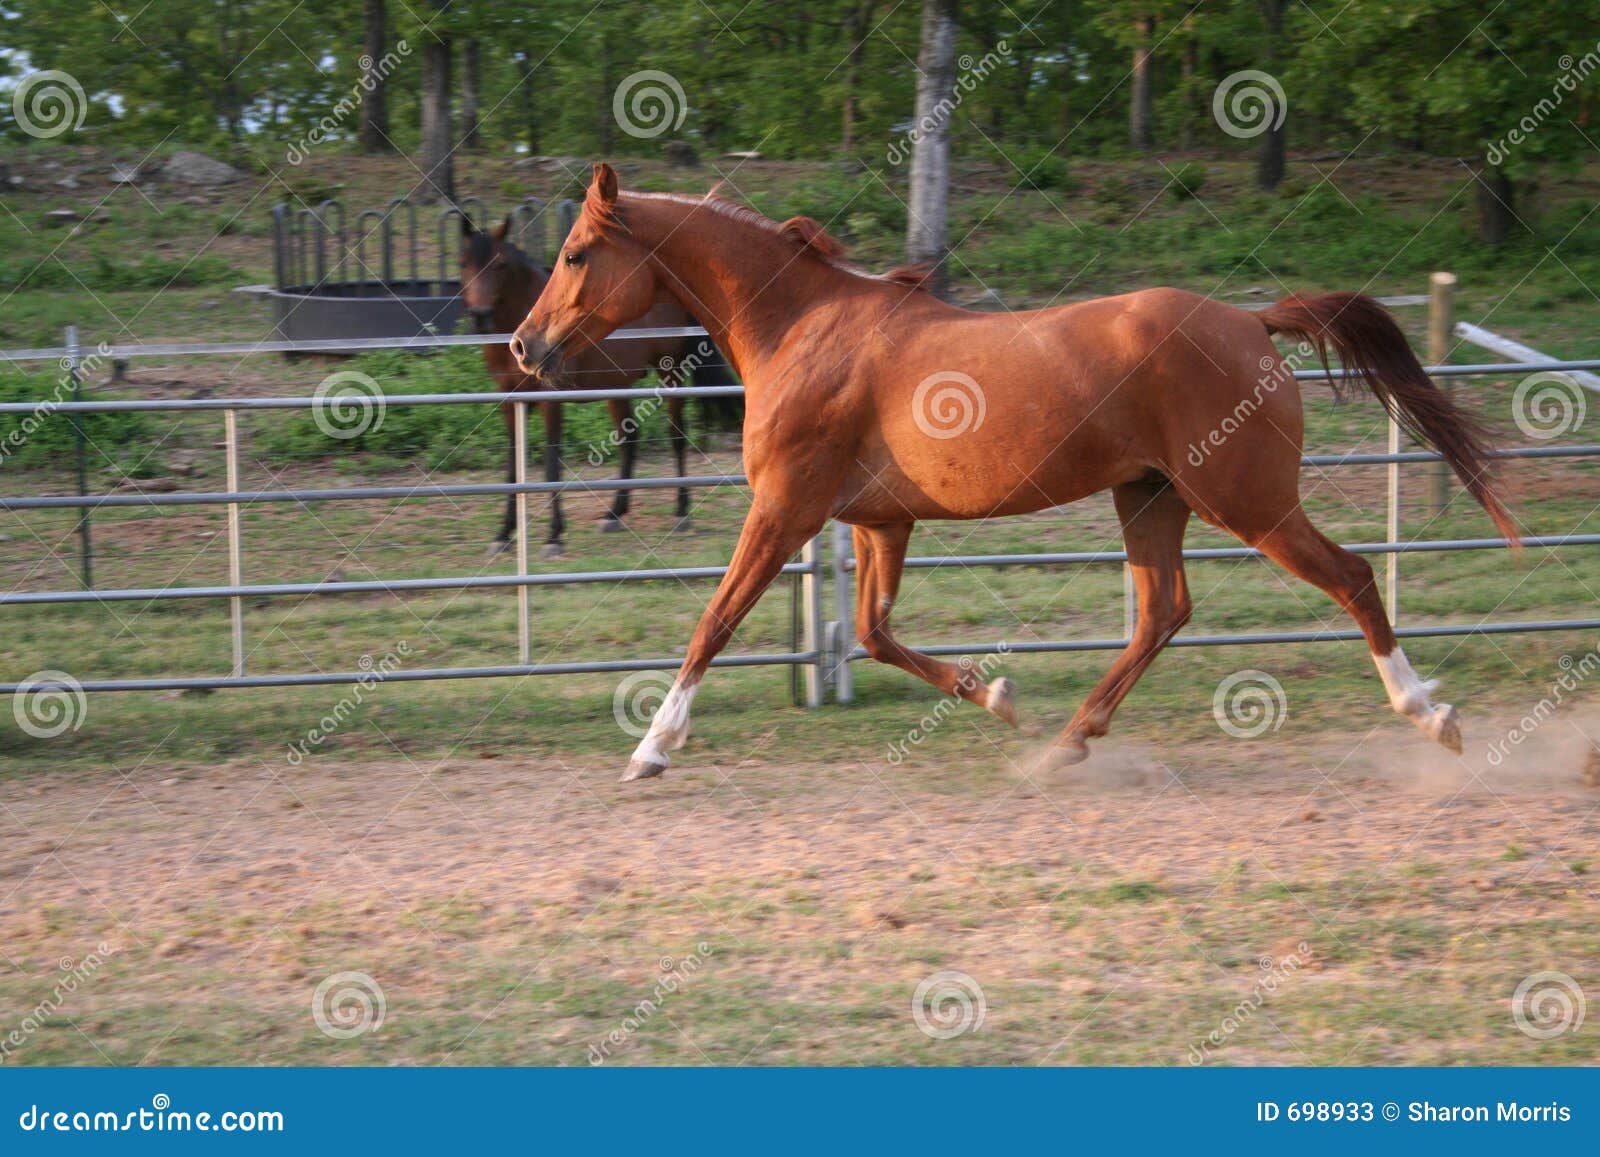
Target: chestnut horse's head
(602,280)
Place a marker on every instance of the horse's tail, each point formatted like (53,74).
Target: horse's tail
(1369,343)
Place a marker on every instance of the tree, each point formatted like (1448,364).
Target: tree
(438,143)
(375,104)
(469,93)
(1269,163)
(1139,134)
(928,218)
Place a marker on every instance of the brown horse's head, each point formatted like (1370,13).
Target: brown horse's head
(494,275)
(603,279)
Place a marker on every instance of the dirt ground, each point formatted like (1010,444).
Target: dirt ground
(1074,903)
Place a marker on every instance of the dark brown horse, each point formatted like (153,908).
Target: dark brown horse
(499,284)
(873,402)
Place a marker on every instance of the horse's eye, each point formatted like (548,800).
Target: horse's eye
(574,258)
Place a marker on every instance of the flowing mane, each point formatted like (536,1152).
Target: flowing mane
(804,234)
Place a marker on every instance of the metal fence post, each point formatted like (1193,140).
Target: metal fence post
(811,619)
(75,379)
(519,450)
(1130,602)
(230,439)
(844,688)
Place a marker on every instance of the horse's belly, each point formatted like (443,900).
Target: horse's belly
(956,484)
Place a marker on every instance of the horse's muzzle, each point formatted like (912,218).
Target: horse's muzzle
(537,357)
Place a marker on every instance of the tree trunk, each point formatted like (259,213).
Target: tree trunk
(928,218)
(530,123)
(438,169)
(1139,108)
(375,98)
(1191,105)
(469,94)
(1269,163)
(856,28)
(1496,216)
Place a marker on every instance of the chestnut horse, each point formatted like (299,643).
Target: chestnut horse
(871,401)
(499,284)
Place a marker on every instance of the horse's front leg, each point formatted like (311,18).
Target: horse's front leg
(627,431)
(551,413)
(680,454)
(771,533)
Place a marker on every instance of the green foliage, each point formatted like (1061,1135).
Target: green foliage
(462,437)
(101,271)
(46,438)
(1187,181)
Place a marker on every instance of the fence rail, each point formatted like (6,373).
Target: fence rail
(821,652)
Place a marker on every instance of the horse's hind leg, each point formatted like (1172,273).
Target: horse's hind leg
(628,430)
(880,558)
(1301,549)
(1153,519)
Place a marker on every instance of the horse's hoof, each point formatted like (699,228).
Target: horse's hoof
(553,550)
(1061,755)
(1002,700)
(498,547)
(684,523)
(643,769)
(1444,726)
(610,525)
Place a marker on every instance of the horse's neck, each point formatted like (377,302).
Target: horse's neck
(745,284)
(519,292)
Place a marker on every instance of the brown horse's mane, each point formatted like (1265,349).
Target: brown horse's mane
(805,234)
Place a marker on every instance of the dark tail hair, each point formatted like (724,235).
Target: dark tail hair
(1370,344)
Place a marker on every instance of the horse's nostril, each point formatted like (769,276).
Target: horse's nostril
(516,348)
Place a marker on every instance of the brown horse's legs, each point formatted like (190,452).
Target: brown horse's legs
(767,540)
(1153,520)
(508,525)
(627,431)
(880,558)
(680,454)
(550,412)
(1347,578)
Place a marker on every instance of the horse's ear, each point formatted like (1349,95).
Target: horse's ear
(499,231)
(603,190)
(806,233)
(466,226)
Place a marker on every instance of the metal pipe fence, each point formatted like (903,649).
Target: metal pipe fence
(822,650)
